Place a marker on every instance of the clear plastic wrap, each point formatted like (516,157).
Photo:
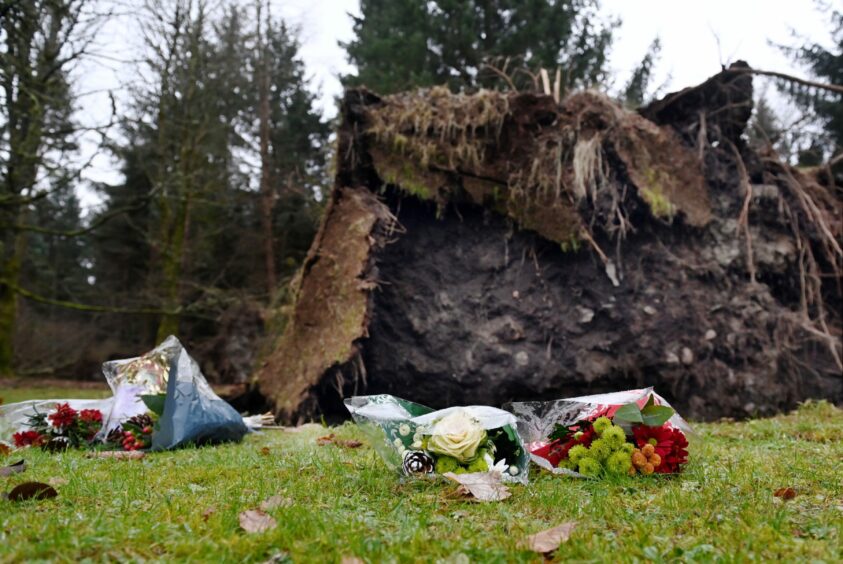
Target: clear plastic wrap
(132,378)
(191,411)
(539,421)
(414,439)
(14,417)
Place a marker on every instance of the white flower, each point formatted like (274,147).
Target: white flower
(403,429)
(417,445)
(398,443)
(500,467)
(513,470)
(457,435)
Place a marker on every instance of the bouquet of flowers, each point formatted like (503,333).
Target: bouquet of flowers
(161,400)
(61,428)
(632,432)
(420,441)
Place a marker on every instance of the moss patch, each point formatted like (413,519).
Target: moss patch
(531,160)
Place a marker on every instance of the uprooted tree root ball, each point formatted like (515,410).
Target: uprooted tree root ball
(491,247)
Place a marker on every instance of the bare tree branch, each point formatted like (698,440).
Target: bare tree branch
(821,85)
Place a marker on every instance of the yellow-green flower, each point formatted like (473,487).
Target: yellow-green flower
(589,467)
(601,424)
(619,463)
(600,450)
(577,452)
(479,465)
(615,436)
(446,464)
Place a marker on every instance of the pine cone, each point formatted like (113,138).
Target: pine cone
(56,444)
(140,421)
(115,436)
(417,462)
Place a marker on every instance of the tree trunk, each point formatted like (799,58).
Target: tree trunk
(8,307)
(267,195)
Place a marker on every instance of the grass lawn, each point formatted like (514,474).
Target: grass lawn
(14,395)
(338,502)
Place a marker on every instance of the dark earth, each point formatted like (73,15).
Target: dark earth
(730,307)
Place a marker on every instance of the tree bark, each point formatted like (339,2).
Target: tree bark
(267,195)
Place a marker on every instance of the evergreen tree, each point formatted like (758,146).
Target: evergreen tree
(191,239)
(636,90)
(826,64)
(298,147)
(42,41)
(400,44)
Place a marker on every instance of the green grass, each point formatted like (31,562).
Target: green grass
(13,395)
(184,505)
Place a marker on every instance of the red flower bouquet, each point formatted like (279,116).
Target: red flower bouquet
(61,428)
(633,432)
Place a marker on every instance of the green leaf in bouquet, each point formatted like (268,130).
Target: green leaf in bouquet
(561,432)
(155,403)
(656,415)
(511,433)
(629,412)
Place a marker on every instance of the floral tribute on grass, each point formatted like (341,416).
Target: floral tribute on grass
(60,429)
(65,427)
(161,401)
(623,433)
(419,441)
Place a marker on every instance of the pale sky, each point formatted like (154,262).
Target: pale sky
(688,29)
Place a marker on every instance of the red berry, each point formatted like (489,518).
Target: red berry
(147,430)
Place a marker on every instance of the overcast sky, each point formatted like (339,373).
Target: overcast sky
(696,36)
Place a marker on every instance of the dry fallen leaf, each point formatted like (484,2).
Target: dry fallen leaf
(275,501)
(349,443)
(256,521)
(32,490)
(483,486)
(118,454)
(57,481)
(15,468)
(208,512)
(4,448)
(342,443)
(785,493)
(326,440)
(351,560)
(265,451)
(549,540)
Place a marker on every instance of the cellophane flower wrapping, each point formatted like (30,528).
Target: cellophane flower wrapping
(193,413)
(561,434)
(190,410)
(417,440)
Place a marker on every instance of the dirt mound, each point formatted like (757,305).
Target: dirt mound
(492,247)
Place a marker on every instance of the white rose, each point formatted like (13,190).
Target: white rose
(457,435)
